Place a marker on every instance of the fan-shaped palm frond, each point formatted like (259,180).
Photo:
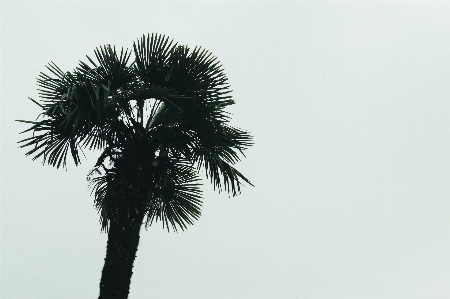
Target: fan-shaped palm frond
(79,108)
(152,53)
(111,68)
(176,196)
(99,186)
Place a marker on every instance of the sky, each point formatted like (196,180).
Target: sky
(348,103)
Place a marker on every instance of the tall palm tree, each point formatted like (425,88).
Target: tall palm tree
(158,121)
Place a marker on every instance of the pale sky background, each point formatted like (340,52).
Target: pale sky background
(349,104)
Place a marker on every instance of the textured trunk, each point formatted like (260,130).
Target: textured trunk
(123,241)
(128,200)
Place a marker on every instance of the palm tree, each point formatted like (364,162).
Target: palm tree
(158,122)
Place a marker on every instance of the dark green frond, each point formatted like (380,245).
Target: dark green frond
(78,108)
(111,68)
(177,197)
(151,55)
(99,185)
(197,72)
(221,173)
(54,88)
(53,137)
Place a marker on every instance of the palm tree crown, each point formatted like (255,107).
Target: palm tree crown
(158,121)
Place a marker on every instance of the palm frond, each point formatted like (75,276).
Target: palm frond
(177,197)
(110,67)
(52,138)
(78,107)
(99,186)
(222,174)
(151,55)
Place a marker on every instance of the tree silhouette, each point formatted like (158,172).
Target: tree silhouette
(158,121)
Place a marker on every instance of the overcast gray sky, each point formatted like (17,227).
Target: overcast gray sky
(349,106)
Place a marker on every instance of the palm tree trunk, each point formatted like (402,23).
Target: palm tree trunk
(129,194)
(123,241)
